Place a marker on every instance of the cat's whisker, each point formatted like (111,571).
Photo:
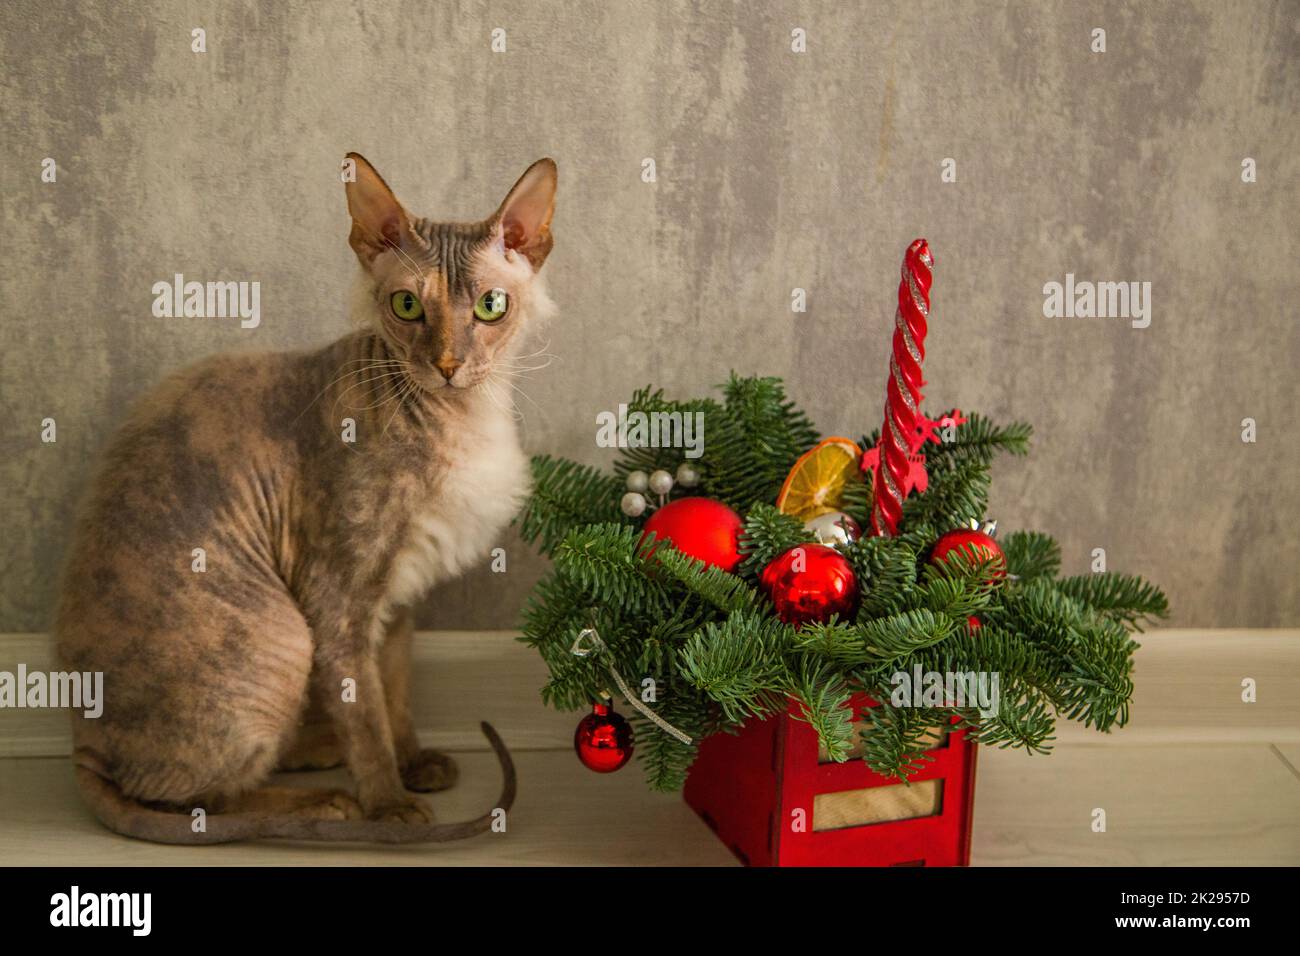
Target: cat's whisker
(486,386)
(526,396)
(503,380)
(374,363)
(383,370)
(396,373)
(392,390)
(407,388)
(541,351)
(512,367)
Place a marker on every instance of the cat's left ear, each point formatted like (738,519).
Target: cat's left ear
(525,216)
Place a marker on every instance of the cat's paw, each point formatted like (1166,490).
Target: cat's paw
(407,810)
(332,805)
(430,770)
(410,810)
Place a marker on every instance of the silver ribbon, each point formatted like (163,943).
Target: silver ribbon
(581,648)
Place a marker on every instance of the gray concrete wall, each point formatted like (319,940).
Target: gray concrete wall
(776,170)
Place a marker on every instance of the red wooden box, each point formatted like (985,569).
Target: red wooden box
(768,796)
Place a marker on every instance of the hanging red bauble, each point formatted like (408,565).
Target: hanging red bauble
(603,740)
(970,543)
(701,527)
(809,583)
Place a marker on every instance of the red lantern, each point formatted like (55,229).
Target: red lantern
(809,583)
(700,527)
(603,740)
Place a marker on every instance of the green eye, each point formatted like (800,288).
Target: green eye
(491,305)
(407,307)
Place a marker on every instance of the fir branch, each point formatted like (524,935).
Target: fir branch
(753,443)
(840,641)
(823,698)
(660,411)
(663,757)
(1092,655)
(720,588)
(552,606)
(566,495)
(990,649)
(857,502)
(961,584)
(1031,554)
(955,495)
(605,562)
(978,440)
(896,740)
(899,635)
(1098,687)
(740,664)
(768,533)
(1120,597)
(664,636)
(886,572)
(1026,724)
(877,647)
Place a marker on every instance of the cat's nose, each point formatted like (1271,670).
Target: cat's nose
(447,367)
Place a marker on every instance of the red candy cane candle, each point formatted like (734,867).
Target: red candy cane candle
(903,391)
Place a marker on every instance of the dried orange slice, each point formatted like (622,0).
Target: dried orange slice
(815,485)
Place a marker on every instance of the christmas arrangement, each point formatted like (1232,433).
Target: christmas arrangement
(786,571)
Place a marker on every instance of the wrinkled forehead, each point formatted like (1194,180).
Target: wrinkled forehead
(447,253)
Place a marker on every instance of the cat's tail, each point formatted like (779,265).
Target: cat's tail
(129,817)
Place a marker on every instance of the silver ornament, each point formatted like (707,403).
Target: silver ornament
(687,476)
(637,481)
(661,482)
(834,529)
(633,504)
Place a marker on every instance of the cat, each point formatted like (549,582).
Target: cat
(245,561)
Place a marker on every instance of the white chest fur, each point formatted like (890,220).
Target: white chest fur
(480,489)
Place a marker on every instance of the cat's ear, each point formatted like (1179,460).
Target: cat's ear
(525,216)
(378,220)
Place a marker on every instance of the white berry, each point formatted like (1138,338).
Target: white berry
(637,481)
(687,476)
(661,482)
(633,504)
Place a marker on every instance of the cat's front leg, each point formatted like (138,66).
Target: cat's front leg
(359,712)
(423,769)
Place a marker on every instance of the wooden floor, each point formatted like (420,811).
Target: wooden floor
(1198,778)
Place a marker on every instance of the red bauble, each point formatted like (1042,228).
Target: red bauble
(810,583)
(603,740)
(701,527)
(970,542)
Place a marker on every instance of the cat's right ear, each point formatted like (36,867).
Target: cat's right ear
(378,220)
